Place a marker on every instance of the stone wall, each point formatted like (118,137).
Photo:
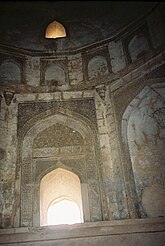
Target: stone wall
(146,138)
(8,158)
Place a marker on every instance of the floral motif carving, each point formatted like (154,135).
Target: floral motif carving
(58,136)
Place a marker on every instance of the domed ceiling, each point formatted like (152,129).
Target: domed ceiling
(23,23)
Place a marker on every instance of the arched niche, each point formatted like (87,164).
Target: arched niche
(10,72)
(143,139)
(56,186)
(97,67)
(137,47)
(38,160)
(54,75)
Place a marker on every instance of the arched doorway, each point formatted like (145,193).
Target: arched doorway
(60,198)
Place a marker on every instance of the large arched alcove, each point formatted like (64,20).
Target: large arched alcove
(59,141)
(143,139)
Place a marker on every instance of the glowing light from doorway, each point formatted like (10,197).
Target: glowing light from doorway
(63,212)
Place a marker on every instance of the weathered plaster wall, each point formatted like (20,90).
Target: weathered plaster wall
(146,140)
(8,157)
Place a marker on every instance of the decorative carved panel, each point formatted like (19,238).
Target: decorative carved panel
(58,136)
(26,111)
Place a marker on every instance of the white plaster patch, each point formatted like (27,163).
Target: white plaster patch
(117,56)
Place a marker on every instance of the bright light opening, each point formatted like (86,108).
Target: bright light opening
(55,30)
(63,212)
(60,198)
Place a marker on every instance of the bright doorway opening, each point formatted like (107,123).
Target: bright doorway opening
(60,198)
(64,211)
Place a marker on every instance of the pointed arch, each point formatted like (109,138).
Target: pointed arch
(140,138)
(75,158)
(59,184)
